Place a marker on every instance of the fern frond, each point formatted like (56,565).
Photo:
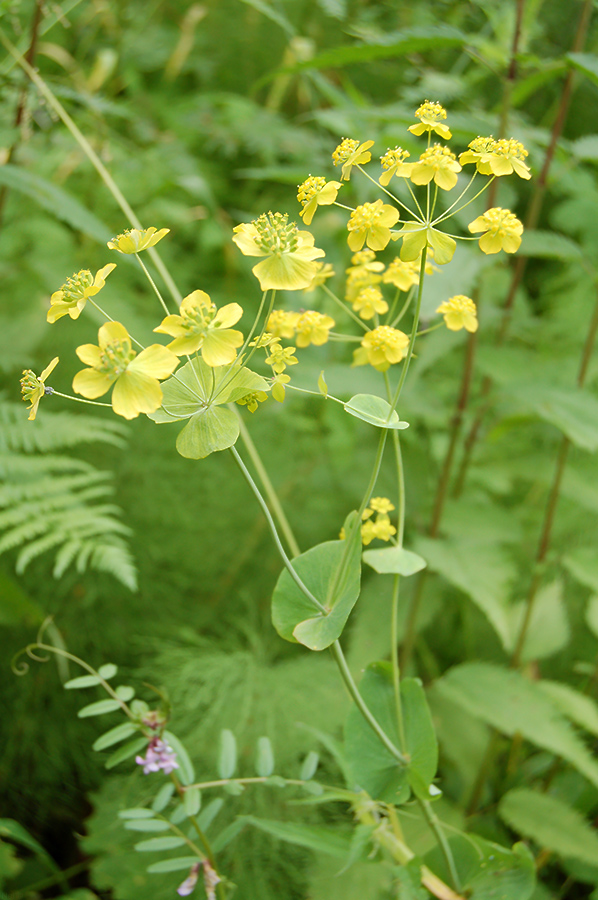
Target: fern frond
(54,503)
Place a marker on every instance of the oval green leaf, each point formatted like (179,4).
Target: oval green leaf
(99,708)
(375,411)
(186,771)
(264,758)
(114,736)
(227,758)
(394,561)
(163,843)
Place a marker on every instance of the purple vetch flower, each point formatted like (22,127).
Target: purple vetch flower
(189,883)
(210,880)
(159,755)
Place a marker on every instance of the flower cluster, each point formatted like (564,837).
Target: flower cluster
(290,255)
(200,326)
(459,312)
(380,527)
(158,756)
(33,387)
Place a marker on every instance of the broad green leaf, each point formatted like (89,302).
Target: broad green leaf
(227,757)
(332,572)
(309,766)
(207,432)
(375,411)
(394,561)
(99,708)
(264,758)
(488,871)
(125,752)
(124,692)
(586,63)
(574,412)
(180,864)
(185,771)
(162,798)
(482,572)
(156,844)
(548,630)
(318,838)
(552,824)
(192,801)
(55,200)
(578,707)
(108,671)
(197,386)
(83,681)
(582,563)
(513,704)
(373,767)
(147,825)
(137,812)
(114,736)
(548,245)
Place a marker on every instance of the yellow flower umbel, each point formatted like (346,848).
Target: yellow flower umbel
(503,230)
(134,376)
(281,324)
(404,274)
(381,528)
(351,153)
(370,224)
(370,302)
(501,157)
(72,296)
(459,312)
(134,240)
(393,163)
(290,253)
(316,191)
(201,326)
(33,388)
(381,348)
(431,116)
(280,357)
(313,328)
(438,163)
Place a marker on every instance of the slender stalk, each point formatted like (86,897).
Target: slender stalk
(413,335)
(59,109)
(436,827)
(79,399)
(153,284)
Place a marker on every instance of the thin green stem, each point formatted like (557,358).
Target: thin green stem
(345,308)
(409,354)
(447,215)
(79,399)
(390,194)
(436,827)
(403,309)
(108,318)
(394,660)
(153,284)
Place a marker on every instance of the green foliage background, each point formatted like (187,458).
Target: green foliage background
(213,117)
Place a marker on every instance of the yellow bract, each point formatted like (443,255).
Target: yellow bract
(200,325)
(33,388)
(134,240)
(503,230)
(290,254)
(135,376)
(72,296)
(459,312)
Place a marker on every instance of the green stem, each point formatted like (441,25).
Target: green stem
(345,308)
(79,399)
(390,194)
(409,354)
(59,109)
(153,284)
(436,827)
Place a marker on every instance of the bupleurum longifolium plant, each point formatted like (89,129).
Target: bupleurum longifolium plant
(211,366)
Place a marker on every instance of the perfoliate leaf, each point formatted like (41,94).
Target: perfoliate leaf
(264,759)
(227,758)
(114,736)
(332,572)
(394,561)
(550,823)
(375,411)
(98,708)
(209,431)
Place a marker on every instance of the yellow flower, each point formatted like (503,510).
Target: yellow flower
(459,312)
(393,163)
(290,253)
(404,274)
(351,153)
(34,388)
(278,386)
(280,357)
(312,328)
(252,400)
(365,259)
(383,530)
(381,347)
(501,157)
(323,273)
(368,302)
(381,505)
(438,163)
(316,191)
(281,324)
(359,278)
(201,325)
(134,376)
(503,230)
(72,296)
(370,224)
(430,115)
(134,241)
